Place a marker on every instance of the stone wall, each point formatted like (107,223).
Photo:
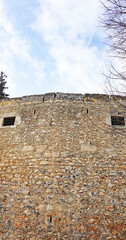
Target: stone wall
(62,168)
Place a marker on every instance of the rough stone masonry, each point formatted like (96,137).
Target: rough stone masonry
(62,170)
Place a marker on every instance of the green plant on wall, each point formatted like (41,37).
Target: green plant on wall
(3,86)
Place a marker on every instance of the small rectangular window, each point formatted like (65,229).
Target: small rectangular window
(8,121)
(117,120)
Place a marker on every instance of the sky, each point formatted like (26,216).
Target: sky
(52,46)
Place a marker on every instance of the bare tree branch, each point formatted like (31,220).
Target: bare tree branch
(114,23)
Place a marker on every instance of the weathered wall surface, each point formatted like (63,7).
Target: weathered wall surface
(62,168)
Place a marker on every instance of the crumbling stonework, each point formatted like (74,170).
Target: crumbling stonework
(62,168)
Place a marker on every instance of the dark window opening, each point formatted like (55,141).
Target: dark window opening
(87,111)
(116,120)
(8,121)
(50,219)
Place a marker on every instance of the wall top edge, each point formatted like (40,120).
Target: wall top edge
(87,97)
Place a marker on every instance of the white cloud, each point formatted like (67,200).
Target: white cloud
(13,49)
(67,18)
(68,27)
(66,58)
